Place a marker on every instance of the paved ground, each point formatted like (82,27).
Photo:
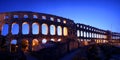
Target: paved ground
(94,53)
(78,53)
(29,57)
(99,52)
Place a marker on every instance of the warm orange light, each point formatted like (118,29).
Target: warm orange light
(65,31)
(64,22)
(35,42)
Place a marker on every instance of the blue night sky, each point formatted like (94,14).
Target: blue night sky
(102,14)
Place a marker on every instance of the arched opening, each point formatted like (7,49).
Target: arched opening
(6,17)
(35,45)
(35,16)
(78,33)
(44,17)
(87,34)
(13,46)
(25,45)
(51,18)
(84,33)
(35,28)
(15,16)
(25,16)
(59,40)
(65,31)
(59,30)
(44,29)
(15,28)
(5,29)
(52,39)
(81,33)
(58,20)
(52,29)
(44,41)
(25,28)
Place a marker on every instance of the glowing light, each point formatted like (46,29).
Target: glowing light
(52,39)
(35,42)
(59,39)
(59,30)
(65,31)
(78,33)
(14,42)
(52,29)
(44,41)
(85,43)
(64,22)
(44,29)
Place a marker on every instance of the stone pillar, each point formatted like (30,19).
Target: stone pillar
(9,46)
(9,39)
(40,29)
(19,41)
(83,33)
(62,30)
(20,28)
(30,45)
(91,35)
(30,28)
(9,29)
(56,30)
(48,25)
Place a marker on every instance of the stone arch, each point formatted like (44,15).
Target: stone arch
(25,28)
(44,29)
(13,45)
(65,31)
(59,30)
(25,45)
(5,29)
(15,28)
(35,45)
(52,29)
(35,28)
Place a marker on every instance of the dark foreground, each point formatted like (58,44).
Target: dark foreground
(91,52)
